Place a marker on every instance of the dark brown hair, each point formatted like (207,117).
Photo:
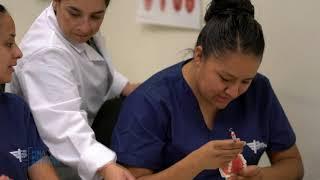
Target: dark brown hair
(2,9)
(107,2)
(230,27)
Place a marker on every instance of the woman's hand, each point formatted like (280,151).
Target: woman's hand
(217,154)
(3,177)
(113,171)
(248,173)
(129,88)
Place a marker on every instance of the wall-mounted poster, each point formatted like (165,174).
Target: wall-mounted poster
(178,13)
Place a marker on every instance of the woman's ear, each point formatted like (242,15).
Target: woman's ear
(54,4)
(198,54)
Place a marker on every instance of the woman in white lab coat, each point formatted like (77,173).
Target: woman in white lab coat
(65,76)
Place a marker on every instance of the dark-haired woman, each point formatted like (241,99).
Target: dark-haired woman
(22,152)
(175,126)
(65,76)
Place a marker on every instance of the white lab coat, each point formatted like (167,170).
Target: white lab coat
(65,84)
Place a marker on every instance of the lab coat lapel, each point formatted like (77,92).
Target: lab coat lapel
(100,43)
(92,54)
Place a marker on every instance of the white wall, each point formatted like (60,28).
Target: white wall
(24,12)
(291,61)
(140,50)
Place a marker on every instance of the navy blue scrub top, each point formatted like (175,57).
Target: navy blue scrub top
(161,123)
(20,145)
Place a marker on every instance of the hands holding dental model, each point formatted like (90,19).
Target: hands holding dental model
(237,168)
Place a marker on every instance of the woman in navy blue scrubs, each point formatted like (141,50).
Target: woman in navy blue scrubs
(22,152)
(175,126)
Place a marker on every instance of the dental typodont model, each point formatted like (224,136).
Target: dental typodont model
(236,165)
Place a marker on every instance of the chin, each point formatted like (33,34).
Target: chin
(222,105)
(78,40)
(5,80)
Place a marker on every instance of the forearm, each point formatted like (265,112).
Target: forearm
(118,85)
(129,88)
(290,169)
(187,168)
(58,108)
(42,170)
(71,140)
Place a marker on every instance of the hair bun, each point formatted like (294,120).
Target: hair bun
(229,7)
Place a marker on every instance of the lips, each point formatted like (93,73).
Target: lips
(222,99)
(11,69)
(82,36)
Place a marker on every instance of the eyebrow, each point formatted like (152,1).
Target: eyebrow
(234,77)
(79,11)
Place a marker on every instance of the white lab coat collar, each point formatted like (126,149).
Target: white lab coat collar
(92,54)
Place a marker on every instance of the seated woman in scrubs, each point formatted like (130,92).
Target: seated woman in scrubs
(22,152)
(175,125)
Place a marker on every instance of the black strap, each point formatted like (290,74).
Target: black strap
(91,43)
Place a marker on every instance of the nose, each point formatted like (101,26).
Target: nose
(84,26)
(233,90)
(18,53)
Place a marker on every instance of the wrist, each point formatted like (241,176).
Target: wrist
(196,161)
(125,89)
(104,169)
(263,172)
